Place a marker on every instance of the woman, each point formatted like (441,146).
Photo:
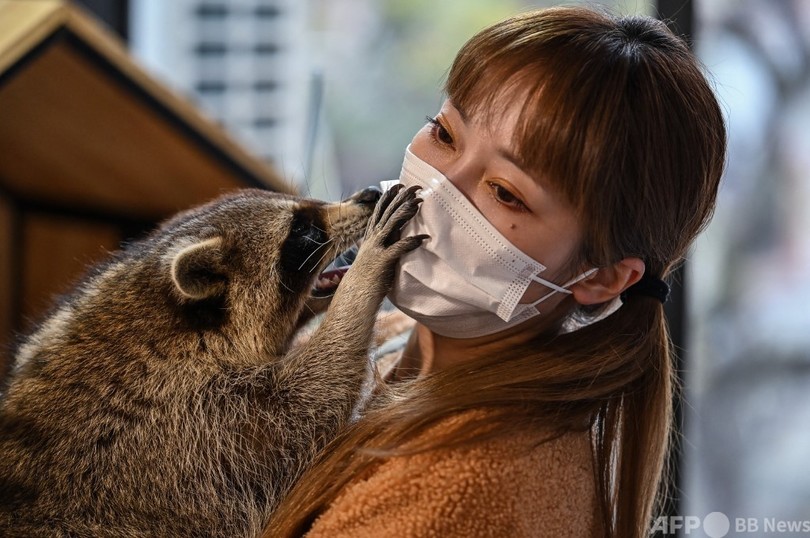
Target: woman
(576,145)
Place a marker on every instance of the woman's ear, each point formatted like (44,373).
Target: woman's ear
(608,282)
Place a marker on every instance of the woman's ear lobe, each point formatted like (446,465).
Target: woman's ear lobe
(608,282)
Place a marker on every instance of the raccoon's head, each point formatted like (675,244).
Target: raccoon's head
(254,257)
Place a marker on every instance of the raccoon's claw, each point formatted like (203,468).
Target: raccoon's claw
(397,207)
(410,243)
(392,200)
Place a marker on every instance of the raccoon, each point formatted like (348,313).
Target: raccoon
(163,398)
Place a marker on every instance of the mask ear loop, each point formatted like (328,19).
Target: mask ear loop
(561,289)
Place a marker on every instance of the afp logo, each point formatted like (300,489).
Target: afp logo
(714,525)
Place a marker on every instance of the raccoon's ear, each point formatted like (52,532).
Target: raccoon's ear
(198,270)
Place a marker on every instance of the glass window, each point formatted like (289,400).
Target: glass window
(748,378)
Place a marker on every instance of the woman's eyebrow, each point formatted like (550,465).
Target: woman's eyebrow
(512,158)
(464,117)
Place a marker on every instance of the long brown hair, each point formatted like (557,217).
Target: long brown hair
(620,119)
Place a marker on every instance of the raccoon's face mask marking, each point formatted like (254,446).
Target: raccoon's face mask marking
(307,244)
(318,233)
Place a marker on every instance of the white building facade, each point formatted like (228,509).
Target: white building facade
(248,64)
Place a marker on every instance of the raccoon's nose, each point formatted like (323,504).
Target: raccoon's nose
(371,195)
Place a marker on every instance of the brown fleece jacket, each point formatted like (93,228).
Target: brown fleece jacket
(509,487)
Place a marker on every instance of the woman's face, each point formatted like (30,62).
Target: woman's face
(479,159)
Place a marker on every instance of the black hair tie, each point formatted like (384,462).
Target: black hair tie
(648,286)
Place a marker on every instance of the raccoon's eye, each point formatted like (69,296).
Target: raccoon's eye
(300,225)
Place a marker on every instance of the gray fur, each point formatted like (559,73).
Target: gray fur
(163,397)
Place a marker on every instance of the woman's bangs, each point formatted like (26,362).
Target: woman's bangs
(477,82)
(486,77)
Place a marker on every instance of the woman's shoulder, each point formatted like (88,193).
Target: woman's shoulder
(521,483)
(532,465)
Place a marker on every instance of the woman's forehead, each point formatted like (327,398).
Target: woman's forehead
(488,100)
(498,116)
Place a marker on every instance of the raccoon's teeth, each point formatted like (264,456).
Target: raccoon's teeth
(329,280)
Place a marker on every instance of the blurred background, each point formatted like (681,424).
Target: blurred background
(329,92)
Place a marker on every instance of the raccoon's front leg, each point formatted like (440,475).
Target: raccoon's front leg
(325,375)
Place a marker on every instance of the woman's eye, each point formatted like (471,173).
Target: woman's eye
(439,132)
(504,196)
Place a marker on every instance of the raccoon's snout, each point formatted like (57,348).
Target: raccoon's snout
(354,221)
(370,195)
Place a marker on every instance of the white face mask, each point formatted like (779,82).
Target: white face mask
(467,279)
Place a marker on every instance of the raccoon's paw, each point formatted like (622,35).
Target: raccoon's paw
(383,245)
(397,206)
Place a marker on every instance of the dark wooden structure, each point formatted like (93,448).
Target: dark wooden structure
(92,151)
